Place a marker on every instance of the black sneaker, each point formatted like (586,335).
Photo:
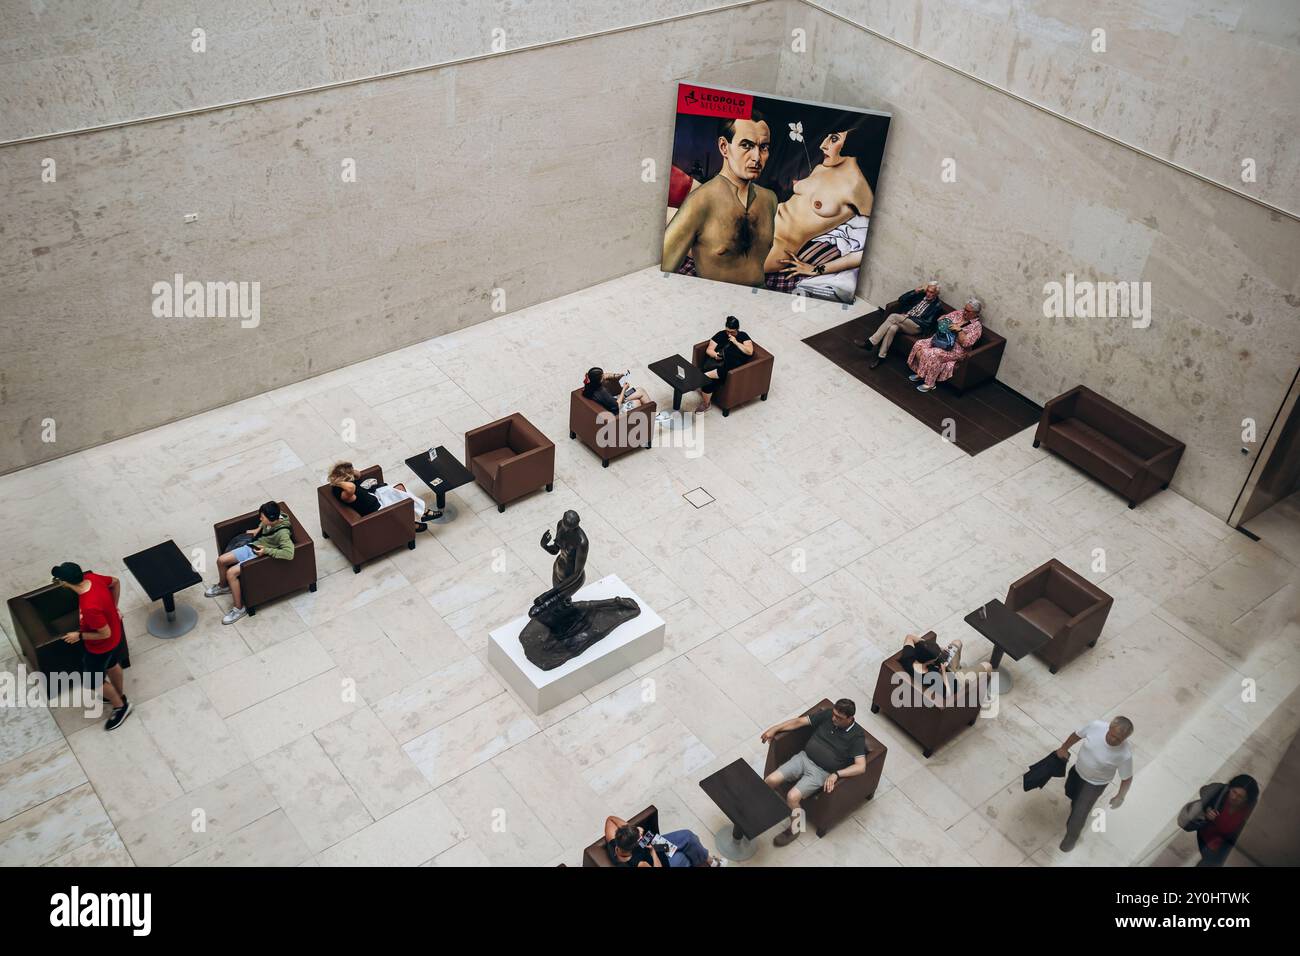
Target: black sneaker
(119,714)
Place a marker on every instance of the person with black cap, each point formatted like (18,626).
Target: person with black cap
(99,632)
(273,536)
(728,349)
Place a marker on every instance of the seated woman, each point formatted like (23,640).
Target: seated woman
(728,349)
(630,846)
(273,536)
(349,489)
(607,391)
(921,657)
(934,363)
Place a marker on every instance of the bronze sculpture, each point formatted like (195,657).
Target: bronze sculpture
(559,628)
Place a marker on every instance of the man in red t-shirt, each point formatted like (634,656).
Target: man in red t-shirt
(99,633)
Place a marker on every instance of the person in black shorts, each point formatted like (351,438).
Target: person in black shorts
(728,349)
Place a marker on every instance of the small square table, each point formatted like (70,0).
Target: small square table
(751,805)
(447,467)
(1009,633)
(162,571)
(690,379)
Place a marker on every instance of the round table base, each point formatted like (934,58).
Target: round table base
(1000,681)
(183,620)
(449,513)
(673,419)
(731,848)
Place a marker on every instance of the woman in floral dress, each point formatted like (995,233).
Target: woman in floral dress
(932,364)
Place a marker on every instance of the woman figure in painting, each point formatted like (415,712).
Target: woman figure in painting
(835,192)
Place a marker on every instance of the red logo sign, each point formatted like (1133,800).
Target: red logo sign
(702,101)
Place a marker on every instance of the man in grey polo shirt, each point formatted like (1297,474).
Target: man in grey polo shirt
(836,749)
(1105,752)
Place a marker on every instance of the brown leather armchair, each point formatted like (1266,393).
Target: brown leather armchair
(745,383)
(597,855)
(40,620)
(361,538)
(1110,443)
(930,715)
(1063,604)
(266,578)
(823,810)
(510,458)
(587,421)
(980,364)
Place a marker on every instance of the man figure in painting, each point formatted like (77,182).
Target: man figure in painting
(726,225)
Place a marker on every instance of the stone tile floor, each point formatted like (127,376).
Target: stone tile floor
(362,724)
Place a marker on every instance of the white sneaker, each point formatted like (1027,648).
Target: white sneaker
(215,590)
(234,614)
(716,861)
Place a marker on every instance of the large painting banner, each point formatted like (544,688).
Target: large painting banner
(772,192)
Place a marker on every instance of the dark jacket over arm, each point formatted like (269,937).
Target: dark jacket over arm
(1038,775)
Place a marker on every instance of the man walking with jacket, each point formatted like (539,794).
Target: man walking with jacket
(1104,753)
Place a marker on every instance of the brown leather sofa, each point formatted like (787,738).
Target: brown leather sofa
(597,855)
(746,383)
(930,717)
(372,536)
(40,620)
(1063,604)
(510,458)
(266,578)
(980,364)
(1123,452)
(635,429)
(823,810)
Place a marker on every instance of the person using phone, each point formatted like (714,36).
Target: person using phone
(273,536)
(631,846)
(612,391)
(727,350)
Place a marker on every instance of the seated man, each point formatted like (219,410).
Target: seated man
(634,847)
(273,535)
(837,749)
(728,349)
(920,311)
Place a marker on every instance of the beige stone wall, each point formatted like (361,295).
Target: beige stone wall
(1202,83)
(72,64)
(1037,198)
(520,173)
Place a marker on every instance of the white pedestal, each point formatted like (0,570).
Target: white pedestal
(631,641)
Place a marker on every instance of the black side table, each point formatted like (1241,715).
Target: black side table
(446,467)
(1009,633)
(682,377)
(751,805)
(162,571)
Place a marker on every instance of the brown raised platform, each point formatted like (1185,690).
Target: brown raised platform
(984,415)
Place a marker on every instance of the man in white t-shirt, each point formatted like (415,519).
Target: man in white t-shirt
(1105,752)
